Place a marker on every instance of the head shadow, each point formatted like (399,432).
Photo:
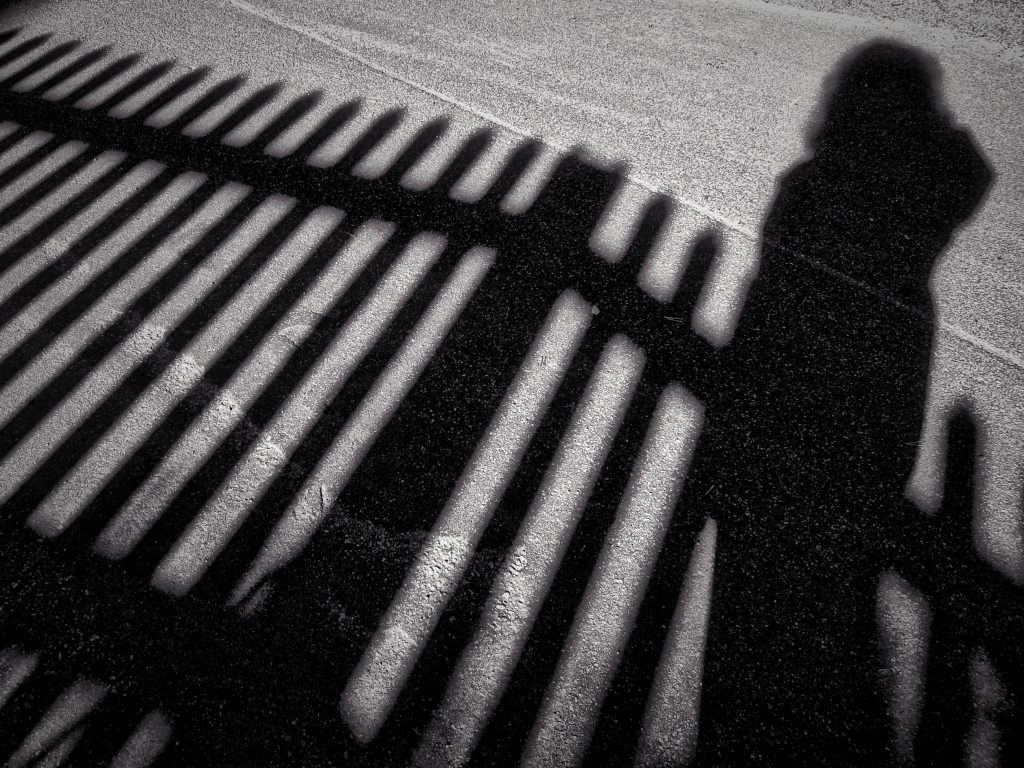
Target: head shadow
(808,450)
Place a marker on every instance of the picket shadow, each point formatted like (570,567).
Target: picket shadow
(814,414)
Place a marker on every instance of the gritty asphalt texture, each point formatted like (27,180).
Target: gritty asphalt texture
(709,103)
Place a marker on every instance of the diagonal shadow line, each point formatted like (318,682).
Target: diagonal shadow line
(68,71)
(147,456)
(651,224)
(408,506)
(72,309)
(515,165)
(427,682)
(425,137)
(138,83)
(694,277)
(426,685)
(107,729)
(619,724)
(108,340)
(23,49)
(505,736)
(640,315)
(253,104)
(61,175)
(22,355)
(51,273)
(72,450)
(46,186)
(144,460)
(29,161)
(110,72)
(291,115)
(540,453)
(13,138)
(530,474)
(57,140)
(180,86)
(231,564)
(215,95)
(501,292)
(204,482)
(509,726)
(375,134)
(51,56)
(331,125)
(220,372)
(103,416)
(13,363)
(7,34)
(142,80)
(62,460)
(32,698)
(472,148)
(254,333)
(64,214)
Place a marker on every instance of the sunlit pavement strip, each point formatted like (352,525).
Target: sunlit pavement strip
(143,343)
(388,661)
(181,379)
(106,309)
(52,735)
(669,735)
(608,610)
(103,312)
(904,623)
(318,493)
(230,405)
(55,735)
(253,474)
(60,244)
(528,569)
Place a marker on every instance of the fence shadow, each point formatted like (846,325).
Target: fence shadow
(813,416)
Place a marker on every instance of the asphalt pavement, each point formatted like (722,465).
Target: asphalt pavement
(706,106)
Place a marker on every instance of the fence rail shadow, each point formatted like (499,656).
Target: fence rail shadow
(434,329)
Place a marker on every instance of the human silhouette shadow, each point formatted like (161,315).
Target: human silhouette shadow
(807,450)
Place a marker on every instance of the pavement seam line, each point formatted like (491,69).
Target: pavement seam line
(279,21)
(299,29)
